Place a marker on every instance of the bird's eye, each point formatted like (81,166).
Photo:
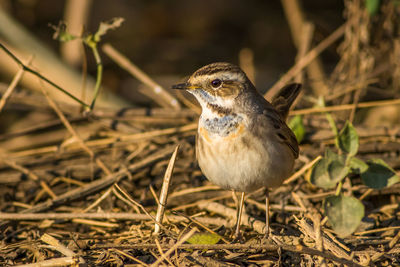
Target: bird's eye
(216,83)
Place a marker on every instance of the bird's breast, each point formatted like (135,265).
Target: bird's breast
(231,155)
(226,127)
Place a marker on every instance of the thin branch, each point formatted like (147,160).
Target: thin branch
(345,107)
(108,141)
(163,98)
(74,133)
(307,59)
(63,261)
(164,191)
(12,85)
(28,69)
(30,174)
(123,216)
(174,247)
(99,75)
(243,247)
(302,170)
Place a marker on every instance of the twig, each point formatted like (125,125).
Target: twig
(301,171)
(128,197)
(37,127)
(20,168)
(298,200)
(99,74)
(289,208)
(301,31)
(28,69)
(247,220)
(295,18)
(99,200)
(98,185)
(31,175)
(110,140)
(162,253)
(307,59)
(356,99)
(378,230)
(128,216)
(163,98)
(121,196)
(164,191)
(12,85)
(63,261)
(130,257)
(153,193)
(242,247)
(340,90)
(345,107)
(95,223)
(316,218)
(57,245)
(193,220)
(309,231)
(394,240)
(365,194)
(180,242)
(48,62)
(76,14)
(73,132)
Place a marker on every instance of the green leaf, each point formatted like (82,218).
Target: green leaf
(319,175)
(337,170)
(344,214)
(204,238)
(347,139)
(328,171)
(297,126)
(372,6)
(379,175)
(357,166)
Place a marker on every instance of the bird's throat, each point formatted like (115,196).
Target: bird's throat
(220,124)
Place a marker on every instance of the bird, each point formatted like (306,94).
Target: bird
(243,142)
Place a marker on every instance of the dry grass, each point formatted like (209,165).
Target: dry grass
(84,188)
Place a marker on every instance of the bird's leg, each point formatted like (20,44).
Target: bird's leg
(239,216)
(267,214)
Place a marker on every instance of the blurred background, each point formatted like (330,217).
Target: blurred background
(166,39)
(170,40)
(345,53)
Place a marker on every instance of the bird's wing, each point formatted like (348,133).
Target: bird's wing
(280,128)
(285,98)
(269,118)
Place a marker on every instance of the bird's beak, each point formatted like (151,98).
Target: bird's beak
(184,86)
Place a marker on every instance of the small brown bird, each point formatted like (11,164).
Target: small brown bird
(243,142)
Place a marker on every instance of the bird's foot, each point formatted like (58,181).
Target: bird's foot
(266,237)
(238,238)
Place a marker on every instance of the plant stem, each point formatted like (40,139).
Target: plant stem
(331,122)
(339,188)
(28,69)
(93,46)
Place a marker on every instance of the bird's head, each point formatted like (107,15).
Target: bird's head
(217,85)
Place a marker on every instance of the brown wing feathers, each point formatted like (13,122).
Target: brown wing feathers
(285,98)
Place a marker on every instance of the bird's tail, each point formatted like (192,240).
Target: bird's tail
(285,98)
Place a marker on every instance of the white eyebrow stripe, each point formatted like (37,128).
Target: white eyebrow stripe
(225,76)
